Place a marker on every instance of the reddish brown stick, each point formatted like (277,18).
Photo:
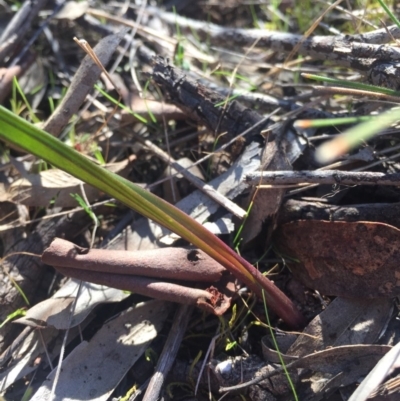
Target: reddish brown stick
(165,263)
(210,300)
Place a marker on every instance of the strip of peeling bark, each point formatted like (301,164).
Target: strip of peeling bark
(164,263)
(210,299)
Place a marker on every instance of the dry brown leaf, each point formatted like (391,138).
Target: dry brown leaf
(352,260)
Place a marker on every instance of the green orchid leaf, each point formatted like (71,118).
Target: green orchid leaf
(19,132)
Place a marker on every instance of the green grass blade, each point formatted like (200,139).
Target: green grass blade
(352,85)
(389,12)
(340,145)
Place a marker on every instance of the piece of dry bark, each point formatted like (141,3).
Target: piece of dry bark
(146,272)
(164,263)
(201,103)
(82,83)
(210,299)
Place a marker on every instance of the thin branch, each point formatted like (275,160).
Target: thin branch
(323,177)
(197,182)
(169,352)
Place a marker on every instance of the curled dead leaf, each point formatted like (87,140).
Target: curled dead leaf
(352,260)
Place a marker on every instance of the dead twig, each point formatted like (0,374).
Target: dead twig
(361,52)
(388,213)
(19,26)
(204,104)
(170,350)
(197,182)
(334,177)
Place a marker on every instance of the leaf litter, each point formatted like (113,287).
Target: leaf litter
(352,258)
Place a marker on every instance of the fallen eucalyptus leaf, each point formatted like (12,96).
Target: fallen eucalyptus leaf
(110,353)
(24,360)
(56,311)
(344,322)
(351,260)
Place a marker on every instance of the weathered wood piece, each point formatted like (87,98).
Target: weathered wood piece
(388,213)
(367,53)
(82,83)
(334,177)
(204,104)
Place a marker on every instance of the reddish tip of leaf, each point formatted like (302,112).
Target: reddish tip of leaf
(303,124)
